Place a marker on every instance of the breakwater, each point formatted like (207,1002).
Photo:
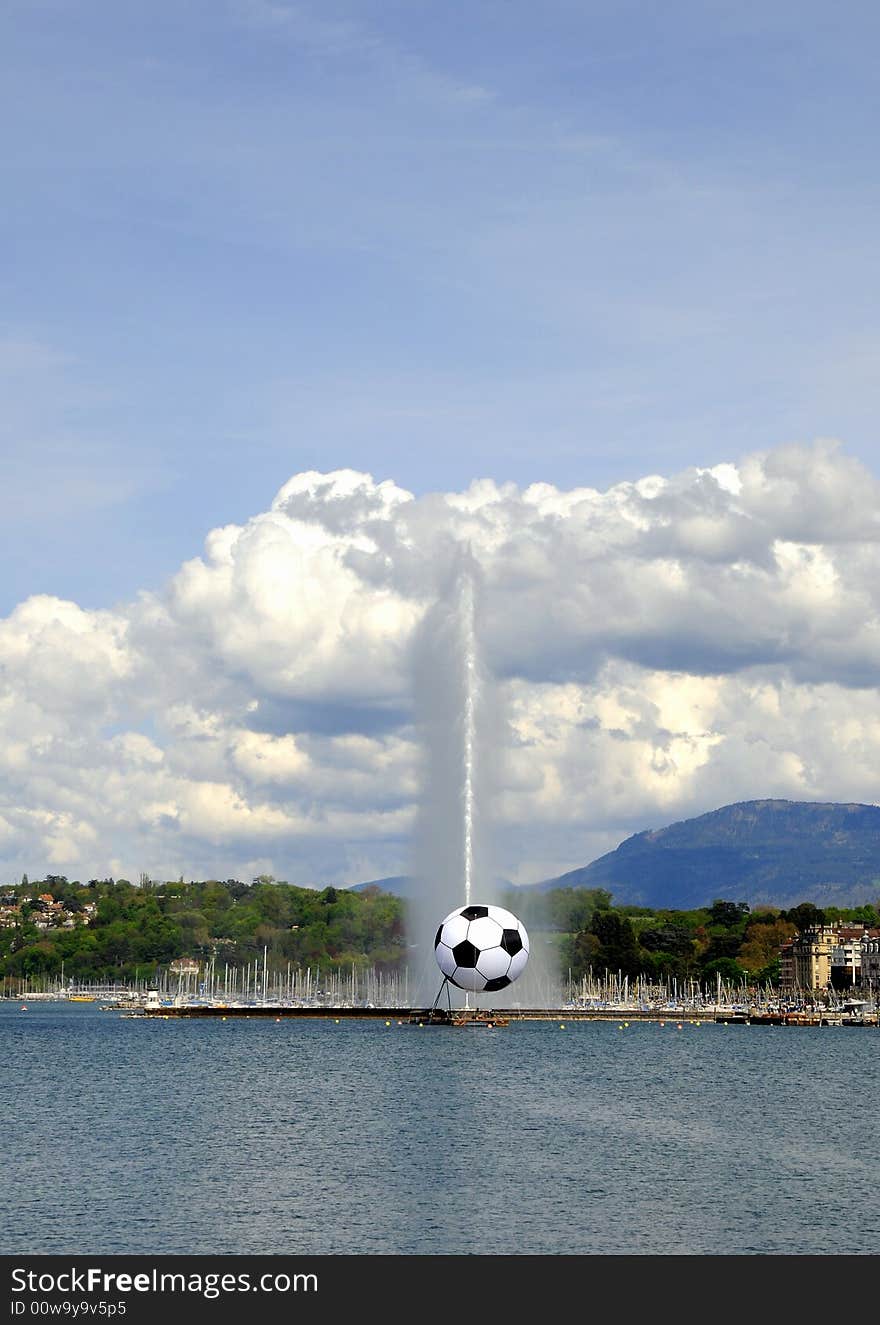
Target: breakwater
(425,1016)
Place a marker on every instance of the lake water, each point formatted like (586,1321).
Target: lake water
(247,1137)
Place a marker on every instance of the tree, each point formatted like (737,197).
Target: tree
(728,914)
(765,915)
(672,938)
(273,902)
(582,953)
(805,916)
(726,967)
(618,950)
(722,943)
(194,929)
(568,910)
(760,948)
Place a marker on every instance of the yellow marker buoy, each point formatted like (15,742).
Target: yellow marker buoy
(388,1023)
(222,1018)
(562,1025)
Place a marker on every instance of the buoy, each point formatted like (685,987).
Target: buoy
(663,1023)
(680,1027)
(388,1023)
(626,1025)
(337,1021)
(277,1018)
(24,1007)
(562,1025)
(222,1018)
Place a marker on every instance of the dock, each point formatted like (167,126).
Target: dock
(441,1017)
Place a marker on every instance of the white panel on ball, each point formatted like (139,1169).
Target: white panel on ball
(506,919)
(468,977)
(445,959)
(493,963)
(454,929)
(518,964)
(484,933)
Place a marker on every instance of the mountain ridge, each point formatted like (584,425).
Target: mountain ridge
(764,852)
(772,852)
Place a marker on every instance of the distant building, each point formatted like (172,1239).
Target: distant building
(805,961)
(787,978)
(871,963)
(830,957)
(185,966)
(846,956)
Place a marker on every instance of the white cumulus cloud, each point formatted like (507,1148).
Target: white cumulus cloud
(659,648)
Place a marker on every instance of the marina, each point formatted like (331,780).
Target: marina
(144,1004)
(259,991)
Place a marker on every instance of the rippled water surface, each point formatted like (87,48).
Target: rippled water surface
(139,1136)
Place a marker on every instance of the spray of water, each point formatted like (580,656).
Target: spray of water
(455,722)
(469,652)
(461,725)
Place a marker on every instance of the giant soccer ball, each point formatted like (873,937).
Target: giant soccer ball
(482,948)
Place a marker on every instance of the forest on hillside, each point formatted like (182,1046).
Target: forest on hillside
(111,929)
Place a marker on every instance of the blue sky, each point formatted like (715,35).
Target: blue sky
(575,242)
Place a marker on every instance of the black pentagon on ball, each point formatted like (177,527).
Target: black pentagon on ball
(511,941)
(465,954)
(501,982)
(474,912)
(437,935)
